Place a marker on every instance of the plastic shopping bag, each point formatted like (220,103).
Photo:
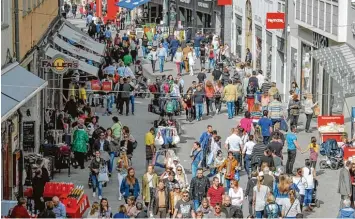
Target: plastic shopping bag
(237,175)
(159,159)
(176,139)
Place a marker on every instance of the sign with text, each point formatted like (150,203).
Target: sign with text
(320,41)
(224,2)
(28,130)
(59,64)
(275,21)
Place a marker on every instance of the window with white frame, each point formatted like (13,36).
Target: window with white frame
(2,12)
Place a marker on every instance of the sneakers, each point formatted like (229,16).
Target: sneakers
(100,197)
(94,194)
(120,197)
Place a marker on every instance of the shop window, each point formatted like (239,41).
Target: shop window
(258,50)
(306,68)
(316,74)
(321,15)
(335,20)
(328,18)
(309,12)
(268,54)
(315,13)
(303,11)
(298,9)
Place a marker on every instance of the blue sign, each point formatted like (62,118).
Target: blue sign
(131,4)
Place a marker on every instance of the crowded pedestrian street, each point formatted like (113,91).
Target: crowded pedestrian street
(127,119)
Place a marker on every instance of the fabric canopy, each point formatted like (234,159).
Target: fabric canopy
(131,4)
(17,87)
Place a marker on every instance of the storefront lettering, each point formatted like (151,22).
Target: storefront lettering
(320,41)
(202,5)
(185,1)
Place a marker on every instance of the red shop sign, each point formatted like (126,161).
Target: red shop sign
(107,86)
(225,2)
(275,21)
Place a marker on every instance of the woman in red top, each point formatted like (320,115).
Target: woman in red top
(20,210)
(209,90)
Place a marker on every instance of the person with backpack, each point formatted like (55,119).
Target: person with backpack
(170,108)
(272,210)
(199,99)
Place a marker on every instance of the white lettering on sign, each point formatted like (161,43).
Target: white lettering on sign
(203,5)
(185,1)
(275,20)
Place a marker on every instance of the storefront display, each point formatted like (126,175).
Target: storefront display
(331,127)
(306,68)
(268,54)
(258,47)
(239,32)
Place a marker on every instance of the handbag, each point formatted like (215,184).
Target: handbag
(316,110)
(237,175)
(159,140)
(103,176)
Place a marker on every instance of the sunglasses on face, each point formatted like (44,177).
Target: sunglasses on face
(185,195)
(181,170)
(217,208)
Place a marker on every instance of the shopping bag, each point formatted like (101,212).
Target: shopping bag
(316,110)
(160,159)
(283,125)
(176,139)
(95,85)
(158,140)
(237,175)
(103,176)
(107,86)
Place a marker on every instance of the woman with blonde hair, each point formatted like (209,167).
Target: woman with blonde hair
(281,189)
(260,191)
(178,59)
(209,91)
(131,210)
(272,210)
(122,212)
(308,110)
(292,206)
(94,211)
(218,95)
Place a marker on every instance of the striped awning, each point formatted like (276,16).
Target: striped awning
(339,62)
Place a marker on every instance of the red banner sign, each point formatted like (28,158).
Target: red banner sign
(275,21)
(107,86)
(225,2)
(95,85)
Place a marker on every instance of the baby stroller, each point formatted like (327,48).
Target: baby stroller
(64,159)
(334,155)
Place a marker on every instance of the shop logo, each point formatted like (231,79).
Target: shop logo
(275,21)
(59,64)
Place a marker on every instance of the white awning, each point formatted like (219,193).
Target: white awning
(339,62)
(17,87)
(77,51)
(83,66)
(83,39)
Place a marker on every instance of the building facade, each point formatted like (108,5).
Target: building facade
(320,29)
(24,25)
(248,30)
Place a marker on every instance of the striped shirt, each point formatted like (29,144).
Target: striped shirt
(275,109)
(265,87)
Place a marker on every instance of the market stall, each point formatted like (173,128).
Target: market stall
(73,197)
(331,127)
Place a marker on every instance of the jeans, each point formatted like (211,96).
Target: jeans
(218,104)
(131,99)
(247,163)
(259,214)
(228,184)
(110,102)
(197,51)
(238,106)
(210,64)
(120,177)
(308,197)
(308,122)
(178,67)
(250,202)
(209,105)
(197,204)
(153,64)
(237,157)
(112,159)
(291,157)
(161,63)
(144,51)
(199,110)
(294,120)
(194,168)
(230,109)
(266,140)
(173,52)
(96,183)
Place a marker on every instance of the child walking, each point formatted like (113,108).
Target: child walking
(313,149)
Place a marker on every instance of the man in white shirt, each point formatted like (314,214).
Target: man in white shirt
(234,144)
(261,78)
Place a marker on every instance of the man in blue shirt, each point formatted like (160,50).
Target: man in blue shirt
(292,147)
(204,140)
(197,157)
(266,127)
(59,208)
(197,44)
(125,37)
(108,34)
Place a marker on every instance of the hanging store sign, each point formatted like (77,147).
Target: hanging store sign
(224,2)
(59,64)
(275,21)
(202,5)
(28,130)
(320,41)
(185,1)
